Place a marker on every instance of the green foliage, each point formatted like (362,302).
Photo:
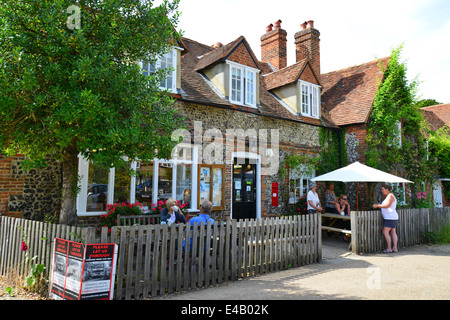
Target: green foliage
(10,291)
(333,154)
(440,236)
(393,103)
(439,146)
(299,208)
(35,281)
(79,90)
(304,164)
(388,148)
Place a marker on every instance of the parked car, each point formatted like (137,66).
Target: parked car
(96,196)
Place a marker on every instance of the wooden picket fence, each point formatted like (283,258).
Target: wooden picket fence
(39,237)
(367,227)
(158,259)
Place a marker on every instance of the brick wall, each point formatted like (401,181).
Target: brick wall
(32,193)
(241,56)
(11,183)
(355,142)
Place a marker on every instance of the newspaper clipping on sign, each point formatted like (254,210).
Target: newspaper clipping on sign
(83,272)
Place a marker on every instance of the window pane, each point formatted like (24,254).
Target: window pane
(205,184)
(97,188)
(217,194)
(165,181)
(184,183)
(305,102)
(250,88)
(144,183)
(236,84)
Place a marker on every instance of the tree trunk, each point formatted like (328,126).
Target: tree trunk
(68,214)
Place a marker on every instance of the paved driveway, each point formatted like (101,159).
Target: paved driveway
(420,272)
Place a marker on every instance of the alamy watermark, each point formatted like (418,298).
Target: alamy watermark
(374,280)
(74,20)
(217,147)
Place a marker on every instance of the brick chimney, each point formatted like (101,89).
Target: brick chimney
(307,45)
(273,46)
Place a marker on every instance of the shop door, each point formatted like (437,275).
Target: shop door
(244,190)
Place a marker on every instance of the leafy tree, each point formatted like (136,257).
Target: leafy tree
(70,85)
(426,103)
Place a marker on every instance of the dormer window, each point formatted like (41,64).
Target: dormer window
(242,85)
(309,99)
(168,62)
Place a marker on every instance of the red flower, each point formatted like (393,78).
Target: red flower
(24,246)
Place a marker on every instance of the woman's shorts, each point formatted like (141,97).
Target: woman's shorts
(390,223)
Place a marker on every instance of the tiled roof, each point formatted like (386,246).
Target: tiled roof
(437,116)
(348,94)
(195,86)
(221,53)
(285,76)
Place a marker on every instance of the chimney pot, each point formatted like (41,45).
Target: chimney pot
(273,46)
(307,45)
(277,24)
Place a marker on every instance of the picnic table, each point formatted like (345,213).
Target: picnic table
(334,217)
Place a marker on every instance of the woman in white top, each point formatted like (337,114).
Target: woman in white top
(390,216)
(313,200)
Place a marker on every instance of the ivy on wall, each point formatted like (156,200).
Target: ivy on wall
(394,140)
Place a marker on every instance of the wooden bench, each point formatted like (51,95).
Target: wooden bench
(335,216)
(144,219)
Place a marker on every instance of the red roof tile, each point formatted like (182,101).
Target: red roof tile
(437,116)
(196,89)
(348,94)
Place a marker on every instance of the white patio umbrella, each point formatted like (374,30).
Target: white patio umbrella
(358,172)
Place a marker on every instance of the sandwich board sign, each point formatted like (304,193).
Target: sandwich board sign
(83,272)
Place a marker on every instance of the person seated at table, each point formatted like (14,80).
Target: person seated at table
(313,200)
(342,206)
(171,213)
(330,198)
(205,211)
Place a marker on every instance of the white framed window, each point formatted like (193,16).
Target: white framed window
(310,99)
(157,180)
(243,82)
(298,185)
(168,62)
(397,136)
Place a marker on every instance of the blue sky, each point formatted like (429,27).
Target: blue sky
(352,32)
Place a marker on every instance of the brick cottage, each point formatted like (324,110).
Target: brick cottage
(244,116)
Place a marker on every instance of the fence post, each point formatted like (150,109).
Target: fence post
(354,228)
(319,230)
